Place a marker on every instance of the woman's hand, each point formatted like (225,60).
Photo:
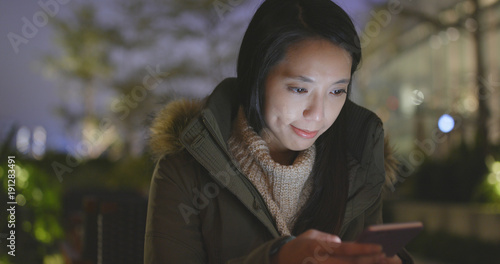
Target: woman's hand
(394,260)
(318,247)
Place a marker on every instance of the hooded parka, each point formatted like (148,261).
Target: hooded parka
(202,209)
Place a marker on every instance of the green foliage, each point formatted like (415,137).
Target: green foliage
(455,178)
(118,65)
(489,190)
(38,195)
(85,45)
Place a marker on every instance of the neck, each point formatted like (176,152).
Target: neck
(277,152)
(286,157)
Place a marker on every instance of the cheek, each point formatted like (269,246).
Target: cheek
(289,111)
(267,117)
(277,114)
(279,108)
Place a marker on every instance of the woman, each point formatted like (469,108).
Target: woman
(277,165)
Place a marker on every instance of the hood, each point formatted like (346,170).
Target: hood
(168,125)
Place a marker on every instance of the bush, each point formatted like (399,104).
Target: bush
(455,178)
(450,248)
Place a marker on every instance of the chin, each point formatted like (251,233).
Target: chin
(301,147)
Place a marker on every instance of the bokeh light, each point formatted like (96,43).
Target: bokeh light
(494,176)
(417,97)
(23,140)
(446,123)
(39,141)
(21,200)
(22,177)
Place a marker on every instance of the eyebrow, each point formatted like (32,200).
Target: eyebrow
(309,80)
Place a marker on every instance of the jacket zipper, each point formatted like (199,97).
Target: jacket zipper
(247,182)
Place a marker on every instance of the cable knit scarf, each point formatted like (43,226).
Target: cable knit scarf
(285,189)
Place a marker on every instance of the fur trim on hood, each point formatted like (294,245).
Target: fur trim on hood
(175,116)
(169,124)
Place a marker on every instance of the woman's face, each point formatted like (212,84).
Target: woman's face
(304,94)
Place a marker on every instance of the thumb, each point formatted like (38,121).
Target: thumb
(325,242)
(326,237)
(334,239)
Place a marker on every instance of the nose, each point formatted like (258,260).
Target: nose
(315,109)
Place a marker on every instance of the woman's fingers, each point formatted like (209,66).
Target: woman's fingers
(318,247)
(394,260)
(318,235)
(370,259)
(354,249)
(347,253)
(333,245)
(345,249)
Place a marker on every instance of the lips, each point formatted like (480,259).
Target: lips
(304,133)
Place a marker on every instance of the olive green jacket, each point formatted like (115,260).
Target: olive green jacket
(202,209)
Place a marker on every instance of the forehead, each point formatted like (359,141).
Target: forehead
(316,57)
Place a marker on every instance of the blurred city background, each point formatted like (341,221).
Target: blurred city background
(81,81)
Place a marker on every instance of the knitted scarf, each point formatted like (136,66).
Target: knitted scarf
(285,189)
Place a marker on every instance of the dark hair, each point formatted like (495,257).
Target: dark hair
(276,26)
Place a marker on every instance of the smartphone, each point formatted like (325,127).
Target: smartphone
(392,237)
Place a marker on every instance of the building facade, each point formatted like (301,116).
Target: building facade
(420,63)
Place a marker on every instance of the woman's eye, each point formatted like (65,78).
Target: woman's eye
(339,91)
(298,90)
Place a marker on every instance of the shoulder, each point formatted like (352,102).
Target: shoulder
(367,142)
(168,125)
(363,128)
(180,171)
